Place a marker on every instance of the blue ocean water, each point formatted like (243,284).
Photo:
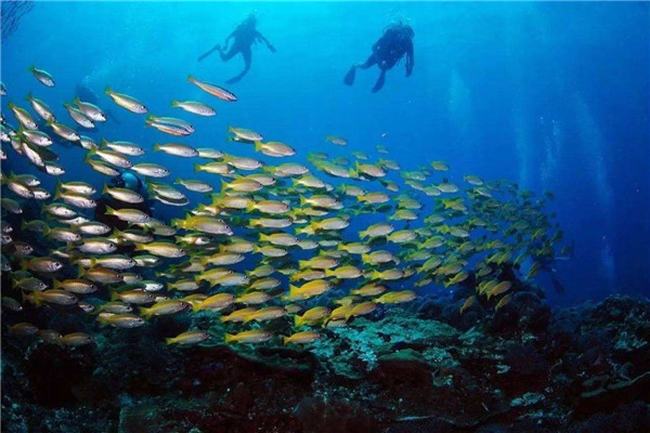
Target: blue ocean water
(554,96)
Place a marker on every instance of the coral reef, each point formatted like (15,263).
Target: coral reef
(526,369)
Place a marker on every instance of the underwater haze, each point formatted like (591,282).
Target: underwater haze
(554,96)
(458,243)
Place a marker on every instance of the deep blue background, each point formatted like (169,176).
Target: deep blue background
(555,96)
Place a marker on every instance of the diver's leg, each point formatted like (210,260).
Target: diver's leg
(380,81)
(370,61)
(210,51)
(349,77)
(247,55)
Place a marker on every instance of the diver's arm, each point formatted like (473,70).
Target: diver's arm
(207,53)
(410,60)
(261,37)
(227,40)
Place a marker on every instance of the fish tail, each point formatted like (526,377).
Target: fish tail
(32,298)
(175,103)
(191,79)
(102,319)
(110,210)
(229,338)
(298,320)
(170,340)
(286,340)
(146,313)
(108,90)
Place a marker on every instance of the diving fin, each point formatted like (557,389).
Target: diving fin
(380,82)
(349,77)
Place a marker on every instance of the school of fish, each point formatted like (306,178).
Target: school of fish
(274,240)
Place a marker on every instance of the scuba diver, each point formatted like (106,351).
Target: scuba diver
(245,35)
(124,180)
(395,43)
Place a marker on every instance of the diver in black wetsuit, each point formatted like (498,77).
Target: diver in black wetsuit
(245,35)
(395,43)
(123,180)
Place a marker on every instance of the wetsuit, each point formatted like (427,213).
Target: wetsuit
(395,43)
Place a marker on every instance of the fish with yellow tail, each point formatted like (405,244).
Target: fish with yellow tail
(312,316)
(164,308)
(252,336)
(214,90)
(125,101)
(398,297)
(303,337)
(188,337)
